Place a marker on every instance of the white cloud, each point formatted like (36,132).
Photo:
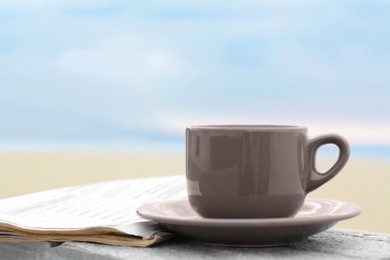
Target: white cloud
(349,63)
(125,58)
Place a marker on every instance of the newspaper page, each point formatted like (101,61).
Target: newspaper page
(103,212)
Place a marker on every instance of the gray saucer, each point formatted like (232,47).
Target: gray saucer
(316,215)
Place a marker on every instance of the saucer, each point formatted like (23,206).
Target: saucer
(316,215)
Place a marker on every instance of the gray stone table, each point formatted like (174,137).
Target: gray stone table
(332,244)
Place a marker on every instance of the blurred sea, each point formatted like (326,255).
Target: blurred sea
(159,146)
(371,152)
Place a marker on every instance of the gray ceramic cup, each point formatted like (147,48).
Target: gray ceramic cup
(254,171)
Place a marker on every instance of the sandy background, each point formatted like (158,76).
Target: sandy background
(365,182)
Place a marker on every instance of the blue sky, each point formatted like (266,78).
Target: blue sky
(107,71)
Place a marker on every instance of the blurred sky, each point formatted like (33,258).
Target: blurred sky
(140,71)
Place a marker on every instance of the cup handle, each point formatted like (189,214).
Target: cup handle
(315,178)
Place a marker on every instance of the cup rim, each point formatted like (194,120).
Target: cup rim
(248,127)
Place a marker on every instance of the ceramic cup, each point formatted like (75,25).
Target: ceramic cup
(254,171)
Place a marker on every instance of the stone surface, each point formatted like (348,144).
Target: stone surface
(332,244)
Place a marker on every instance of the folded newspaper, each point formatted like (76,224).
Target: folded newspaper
(102,213)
